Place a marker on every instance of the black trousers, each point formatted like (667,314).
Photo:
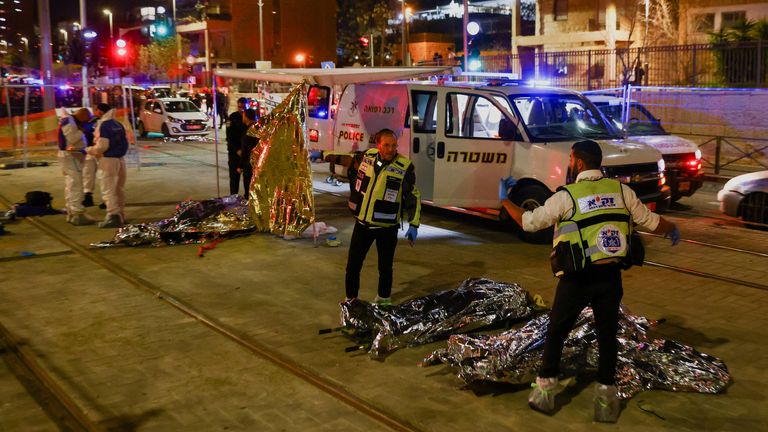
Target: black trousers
(599,287)
(362,239)
(247,176)
(233,162)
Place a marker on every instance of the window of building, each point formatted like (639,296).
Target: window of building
(561,10)
(732,19)
(704,23)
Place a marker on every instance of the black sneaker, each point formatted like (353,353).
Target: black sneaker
(88,200)
(102,206)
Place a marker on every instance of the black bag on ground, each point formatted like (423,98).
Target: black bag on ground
(36,203)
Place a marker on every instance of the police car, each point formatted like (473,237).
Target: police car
(682,157)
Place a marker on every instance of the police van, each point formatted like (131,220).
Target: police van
(682,157)
(464,137)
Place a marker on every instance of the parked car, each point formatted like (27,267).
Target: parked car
(172,117)
(682,157)
(746,196)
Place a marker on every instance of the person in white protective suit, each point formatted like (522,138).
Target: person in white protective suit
(71,156)
(110,146)
(90,166)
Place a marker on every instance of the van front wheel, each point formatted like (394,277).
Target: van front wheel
(530,197)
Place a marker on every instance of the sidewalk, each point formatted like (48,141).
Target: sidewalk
(129,358)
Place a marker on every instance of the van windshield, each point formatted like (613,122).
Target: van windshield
(561,117)
(641,121)
(180,107)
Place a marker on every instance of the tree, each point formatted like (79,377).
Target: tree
(158,59)
(357,18)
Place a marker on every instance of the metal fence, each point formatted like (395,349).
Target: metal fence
(705,65)
(26,126)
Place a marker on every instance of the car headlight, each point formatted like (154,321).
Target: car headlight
(661,165)
(175,120)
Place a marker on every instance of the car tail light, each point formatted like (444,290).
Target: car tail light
(314,135)
(662,180)
(692,164)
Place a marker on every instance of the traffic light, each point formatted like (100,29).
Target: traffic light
(364,40)
(122,48)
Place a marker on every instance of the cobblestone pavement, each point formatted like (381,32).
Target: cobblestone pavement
(133,362)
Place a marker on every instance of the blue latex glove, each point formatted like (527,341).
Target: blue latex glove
(411,234)
(505,185)
(673,235)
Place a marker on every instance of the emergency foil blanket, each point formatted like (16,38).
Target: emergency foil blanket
(280,192)
(476,302)
(514,356)
(193,221)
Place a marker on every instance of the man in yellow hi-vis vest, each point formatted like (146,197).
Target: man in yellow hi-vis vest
(382,193)
(593,220)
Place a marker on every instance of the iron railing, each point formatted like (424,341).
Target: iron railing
(742,64)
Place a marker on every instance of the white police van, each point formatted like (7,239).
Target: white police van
(682,157)
(464,137)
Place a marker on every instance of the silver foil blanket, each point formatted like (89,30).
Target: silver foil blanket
(475,303)
(514,356)
(192,222)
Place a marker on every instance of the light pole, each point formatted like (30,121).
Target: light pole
(464,34)
(178,41)
(86,96)
(261,33)
(111,33)
(26,44)
(403,31)
(66,36)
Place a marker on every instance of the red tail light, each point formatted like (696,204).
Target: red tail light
(693,164)
(314,135)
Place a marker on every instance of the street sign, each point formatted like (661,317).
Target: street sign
(327,65)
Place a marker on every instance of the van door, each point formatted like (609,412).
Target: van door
(423,125)
(475,148)
(319,121)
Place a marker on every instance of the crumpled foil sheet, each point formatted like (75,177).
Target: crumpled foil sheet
(475,303)
(514,356)
(193,222)
(281,200)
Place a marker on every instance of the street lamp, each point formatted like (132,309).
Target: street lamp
(111,36)
(301,60)
(26,43)
(261,33)
(66,36)
(403,32)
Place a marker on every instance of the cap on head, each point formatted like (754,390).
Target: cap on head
(103,107)
(242,100)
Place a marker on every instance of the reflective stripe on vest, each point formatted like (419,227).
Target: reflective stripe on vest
(376,199)
(601,223)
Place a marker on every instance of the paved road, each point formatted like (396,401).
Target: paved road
(132,361)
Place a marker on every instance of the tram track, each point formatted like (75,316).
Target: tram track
(313,378)
(660,265)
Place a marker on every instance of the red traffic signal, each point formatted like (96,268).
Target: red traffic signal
(364,40)
(121,47)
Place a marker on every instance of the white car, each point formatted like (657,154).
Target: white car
(746,196)
(173,117)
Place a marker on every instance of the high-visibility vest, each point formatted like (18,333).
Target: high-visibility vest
(600,227)
(376,199)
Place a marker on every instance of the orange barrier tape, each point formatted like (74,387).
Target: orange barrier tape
(42,130)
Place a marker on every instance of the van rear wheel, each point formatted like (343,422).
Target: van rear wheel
(529,198)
